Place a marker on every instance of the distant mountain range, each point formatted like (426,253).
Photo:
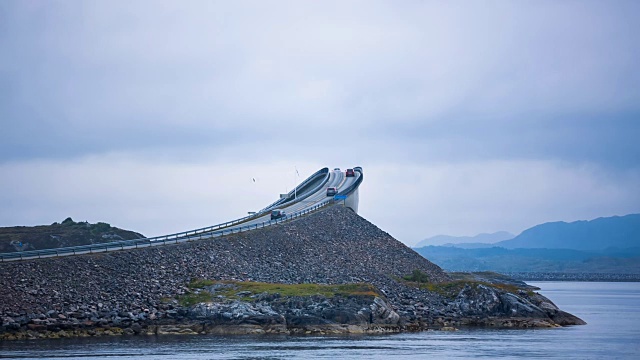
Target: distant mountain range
(480,239)
(599,234)
(603,245)
(533,260)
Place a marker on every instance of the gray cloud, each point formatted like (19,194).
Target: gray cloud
(418,84)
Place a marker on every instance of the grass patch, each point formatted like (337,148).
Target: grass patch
(511,288)
(230,289)
(452,288)
(307,289)
(192,298)
(446,289)
(200,283)
(417,276)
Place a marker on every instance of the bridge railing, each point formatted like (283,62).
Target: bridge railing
(351,188)
(156,241)
(302,190)
(174,236)
(201,233)
(232,222)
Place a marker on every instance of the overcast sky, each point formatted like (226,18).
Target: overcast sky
(466,117)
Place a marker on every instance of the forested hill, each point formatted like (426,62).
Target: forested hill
(599,234)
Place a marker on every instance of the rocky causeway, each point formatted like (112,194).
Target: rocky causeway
(367,282)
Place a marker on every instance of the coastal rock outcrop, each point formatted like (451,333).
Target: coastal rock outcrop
(480,299)
(314,314)
(136,290)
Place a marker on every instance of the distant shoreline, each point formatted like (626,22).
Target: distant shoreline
(554,276)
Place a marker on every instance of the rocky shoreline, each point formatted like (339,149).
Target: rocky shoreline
(271,313)
(268,314)
(160,290)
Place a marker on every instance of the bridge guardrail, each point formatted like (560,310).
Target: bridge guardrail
(160,240)
(174,236)
(201,233)
(355,184)
(301,188)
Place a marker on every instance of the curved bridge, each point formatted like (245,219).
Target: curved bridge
(310,195)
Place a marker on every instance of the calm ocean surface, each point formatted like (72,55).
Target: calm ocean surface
(612,311)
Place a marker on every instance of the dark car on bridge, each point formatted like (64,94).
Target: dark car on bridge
(332,191)
(277,214)
(350,173)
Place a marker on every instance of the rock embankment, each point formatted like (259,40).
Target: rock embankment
(132,290)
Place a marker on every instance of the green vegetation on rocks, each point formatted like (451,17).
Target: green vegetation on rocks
(417,276)
(452,289)
(202,290)
(460,280)
(194,297)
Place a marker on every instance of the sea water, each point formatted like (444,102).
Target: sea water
(611,310)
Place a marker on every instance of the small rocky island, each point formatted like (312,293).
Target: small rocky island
(329,272)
